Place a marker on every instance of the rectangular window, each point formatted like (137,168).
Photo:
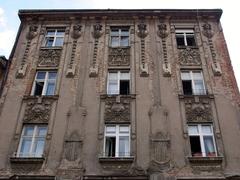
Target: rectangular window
(202,140)
(44,83)
(32,141)
(118,83)
(192,83)
(185,37)
(54,37)
(117,141)
(119,37)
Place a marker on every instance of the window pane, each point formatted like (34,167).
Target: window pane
(38,88)
(180,40)
(39,146)
(185,76)
(50,32)
(60,32)
(113,87)
(50,88)
(52,75)
(110,146)
(206,129)
(187,87)
(111,129)
(124,32)
(114,41)
(59,41)
(28,130)
(191,40)
(193,130)
(124,41)
(195,146)
(112,76)
(124,76)
(41,131)
(209,146)
(124,129)
(114,32)
(199,87)
(197,75)
(124,87)
(25,147)
(41,75)
(124,146)
(49,41)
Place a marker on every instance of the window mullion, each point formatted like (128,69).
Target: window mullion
(118,81)
(117,141)
(193,84)
(202,141)
(33,141)
(54,37)
(185,39)
(45,84)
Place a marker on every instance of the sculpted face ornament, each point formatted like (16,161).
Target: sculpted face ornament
(76,33)
(142,30)
(32,32)
(162,31)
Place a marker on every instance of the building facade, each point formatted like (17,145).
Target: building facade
(120,95)
(3,71)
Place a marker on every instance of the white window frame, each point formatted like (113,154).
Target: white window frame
(117,135)
(55,36)
(185,33)
(45,81)
(194,90)
(118,81)
(34,138)
(120,29)
(201,134)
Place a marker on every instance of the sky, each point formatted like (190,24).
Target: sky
(9,21)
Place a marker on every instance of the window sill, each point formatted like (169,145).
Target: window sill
(55,97)
(185,47)
(120,47)
(206,160)
(52,47)
(27,160)
(105,96)
(116,159)
(183,96)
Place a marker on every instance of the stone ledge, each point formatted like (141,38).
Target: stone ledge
(129,96)
(116,159)
(54,97)
(27,160)
(94,177)
(32,177)
(206,161)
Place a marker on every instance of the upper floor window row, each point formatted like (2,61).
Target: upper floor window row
(185,37)
(54,37)
(119,37)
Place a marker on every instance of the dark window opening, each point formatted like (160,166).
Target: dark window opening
(124,87)
(187,87)
(38,88)
(110,146)
(195,146)
(180,41)
(191,41)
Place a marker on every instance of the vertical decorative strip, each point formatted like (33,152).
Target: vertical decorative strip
(76,33)
(30,35)
(142,33)
(207,31)
(97,32)
(162,33)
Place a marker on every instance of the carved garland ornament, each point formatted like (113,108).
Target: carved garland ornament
(117,111)
(198,111)
(49,57)
(37,112)
(207,31)
(32,32)
(119,57)
(162,33)
(189,56)
(142,33)
(97,32)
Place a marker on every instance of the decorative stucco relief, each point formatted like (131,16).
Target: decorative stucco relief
(142,33)
(189,56)
(38,110)
(207,31)
(119,57)
(97,33)
(163,34)
(117,111)
(199,111)
(160,147)
(32,32)
(49,57)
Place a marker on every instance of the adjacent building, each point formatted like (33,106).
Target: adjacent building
(120,95)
